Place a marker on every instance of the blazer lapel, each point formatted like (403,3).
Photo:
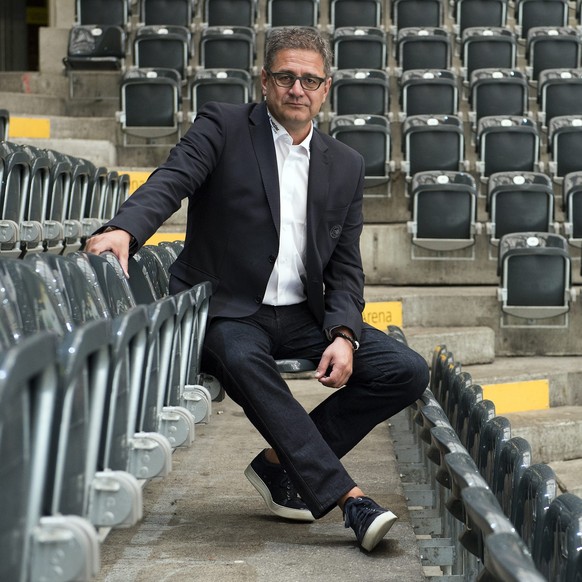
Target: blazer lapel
(318,183)
(262,138)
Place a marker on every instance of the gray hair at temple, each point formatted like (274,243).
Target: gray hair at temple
(297,38)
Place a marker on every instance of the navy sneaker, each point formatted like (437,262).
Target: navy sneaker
(275,487)
(369,521)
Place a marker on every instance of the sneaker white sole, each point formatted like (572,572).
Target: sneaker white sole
(377,530)
(280,510)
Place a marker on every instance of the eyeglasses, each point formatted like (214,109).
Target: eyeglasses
(287,80)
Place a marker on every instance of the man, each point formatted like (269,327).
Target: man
(274,221)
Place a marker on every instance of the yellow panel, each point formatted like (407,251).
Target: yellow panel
(381,314)
(136,179)
(519,396)
(165,236)
(29,127)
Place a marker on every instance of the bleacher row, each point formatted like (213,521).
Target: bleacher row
(484,495)
(99,382)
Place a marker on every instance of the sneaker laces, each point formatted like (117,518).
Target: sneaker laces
(358,511)
(286,484)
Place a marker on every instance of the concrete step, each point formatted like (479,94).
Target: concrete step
(472,345)
(554,434)
(563,374)
(569,476)
(478,306)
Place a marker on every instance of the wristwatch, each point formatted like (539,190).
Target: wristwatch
(355,343)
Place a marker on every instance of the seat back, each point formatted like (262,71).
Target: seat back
(565,143)
(432,92)
(167,12)
(223,85)
(230,12)
(552,48)
(559,93)
(355,13)
(360,91)
(561,551)
(28,387)
(572,203)
(423,48)
(96,47)
(292,12)
(507,143)
(514,459)
(225,47)
(473,13)
(433,142)
(359,48)
(520,202)
(417,13)
(534,13)
(535,275)
(102,12)
(488,47)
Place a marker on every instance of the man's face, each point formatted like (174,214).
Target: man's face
(294,107)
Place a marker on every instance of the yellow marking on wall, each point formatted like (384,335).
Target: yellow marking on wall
(29,127)
(136,179)
(165,237)
(381,314)
(519,396)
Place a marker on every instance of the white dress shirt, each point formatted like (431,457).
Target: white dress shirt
(285,286)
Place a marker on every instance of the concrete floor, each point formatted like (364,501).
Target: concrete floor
(204,521)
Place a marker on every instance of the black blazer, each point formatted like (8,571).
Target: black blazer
(227,167)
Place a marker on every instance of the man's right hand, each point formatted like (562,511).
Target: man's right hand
(117,241)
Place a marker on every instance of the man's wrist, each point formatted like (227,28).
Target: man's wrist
(335,333)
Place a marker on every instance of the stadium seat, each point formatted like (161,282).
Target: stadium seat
(163,47)
(417,14)
(444,440)
(292,13)
(224,47)
(506,558)
(4,124)
(507,143)
(480,13)
(493,435)
(519,202)
(535,274)
(230,12)
(561,548)
(428,92)
(369,135)
(441,359)
(167,12)
(92,218)
(481,413)
(148,278)
(536,490)
(150,105)
(464,474)
(29,537)
(355,13)
(95,48)
(103,12)
(483,517)
(14,179)
(359,48)
(423,48)
(444,210)
(432,142)
(224,85)
(497,92)
(559,93)
(572,205)
(552,48)
(535,13)
(360,91)
(469,397)
(488,48)
(565,145)
(514,459)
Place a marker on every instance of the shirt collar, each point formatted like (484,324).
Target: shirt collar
(279,131)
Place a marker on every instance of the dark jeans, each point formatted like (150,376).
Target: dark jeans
(387,376)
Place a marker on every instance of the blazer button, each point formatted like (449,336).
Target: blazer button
(258,299)
(272,258)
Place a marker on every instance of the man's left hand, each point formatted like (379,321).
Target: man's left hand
(335,366)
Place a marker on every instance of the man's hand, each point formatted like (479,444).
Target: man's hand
(335,366)
(117,241)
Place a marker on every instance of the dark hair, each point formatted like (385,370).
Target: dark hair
(298,38)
